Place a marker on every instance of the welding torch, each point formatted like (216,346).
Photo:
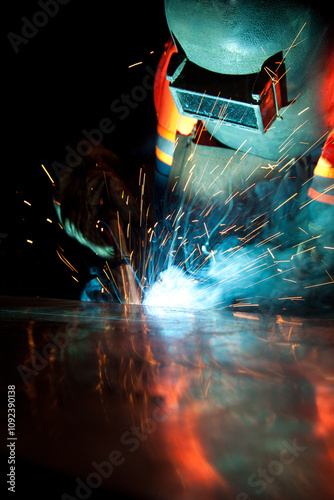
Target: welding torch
(123,275)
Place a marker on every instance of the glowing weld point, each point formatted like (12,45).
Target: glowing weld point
(174,289)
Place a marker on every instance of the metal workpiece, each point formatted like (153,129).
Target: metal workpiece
(141,402)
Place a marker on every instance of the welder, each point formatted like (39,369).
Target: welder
(244,94)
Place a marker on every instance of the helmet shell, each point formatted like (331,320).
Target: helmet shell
(237,36)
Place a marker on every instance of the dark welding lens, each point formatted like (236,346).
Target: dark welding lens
(244,101)
(216,108)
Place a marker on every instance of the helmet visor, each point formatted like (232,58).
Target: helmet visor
(244,101)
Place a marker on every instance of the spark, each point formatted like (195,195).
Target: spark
(68,264)
(258,217)
(306,241)
(107,275)
(303,111)
(294,131)
(186,184)
(30,241)
(259,165)
(246,304)
(47,173)
(281,205)
(135,64)
(214,169)
(269,277)
(329,275)
(240,147)
(249,187)
(292,44)
(308,180)
(272,255)
(303,251)
(290,298)
(257,228)
(27,203)
(320,284)
(244,155)
(316,197)
(111,274)
(102,285)
(245,315)
(316,142)
(230,197)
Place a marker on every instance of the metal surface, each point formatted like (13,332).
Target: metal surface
(117,401)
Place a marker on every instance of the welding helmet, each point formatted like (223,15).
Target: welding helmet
(241,63)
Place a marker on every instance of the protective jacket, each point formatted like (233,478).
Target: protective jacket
(169,121)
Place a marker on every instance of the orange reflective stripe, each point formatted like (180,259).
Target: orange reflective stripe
(324,168)
(164,157)
(165,146)
(328,199)
(166,134)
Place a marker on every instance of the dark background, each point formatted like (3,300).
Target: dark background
(60,82)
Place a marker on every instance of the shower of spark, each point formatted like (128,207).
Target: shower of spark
(238,253)
(258,249)
(233,234)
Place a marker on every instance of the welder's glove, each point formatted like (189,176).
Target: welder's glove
(93,206)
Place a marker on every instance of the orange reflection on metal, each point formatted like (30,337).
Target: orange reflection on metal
(245,315)
(189,458)
(325,425)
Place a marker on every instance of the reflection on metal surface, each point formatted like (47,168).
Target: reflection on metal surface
(166,404)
